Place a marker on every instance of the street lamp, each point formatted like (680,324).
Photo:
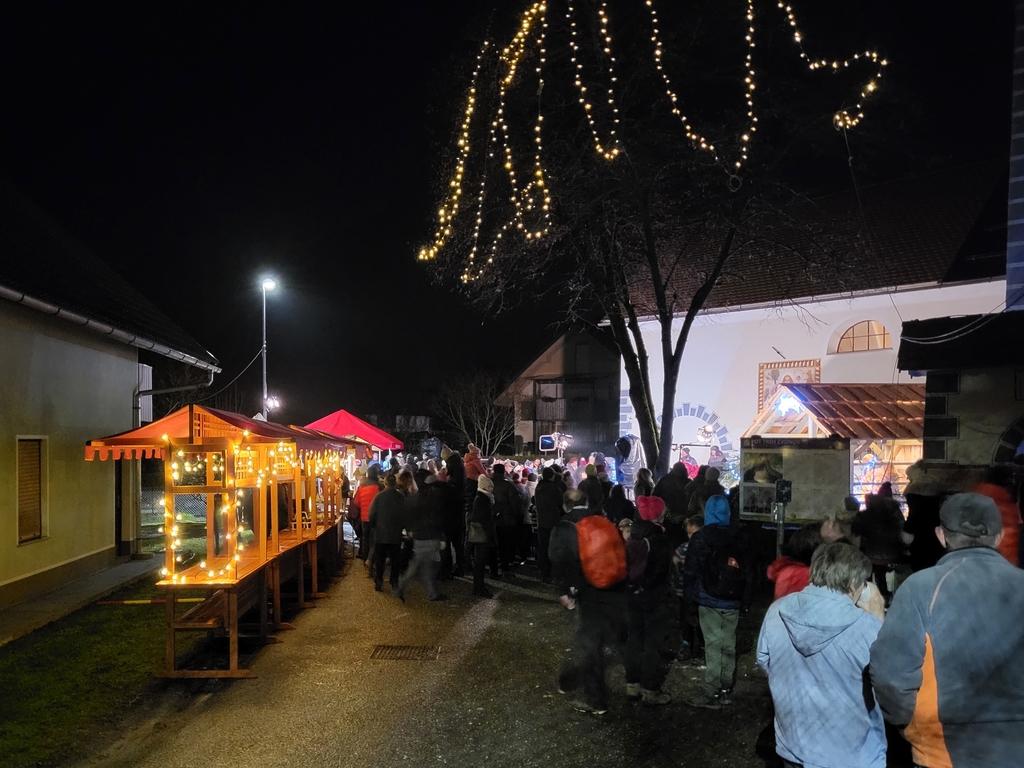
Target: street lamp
(268,284)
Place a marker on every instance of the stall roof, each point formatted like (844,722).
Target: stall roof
(344,424)
(856,411)
(866,411)
(148,441)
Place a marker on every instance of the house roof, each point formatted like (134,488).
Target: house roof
(865,411)
(969,341)
(946,226)
(45,268)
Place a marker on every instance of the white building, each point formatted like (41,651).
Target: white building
(70,334)
(938,245)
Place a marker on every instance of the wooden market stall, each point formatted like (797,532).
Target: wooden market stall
(271,492)
(831,439)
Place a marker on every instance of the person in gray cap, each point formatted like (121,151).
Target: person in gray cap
(948,663)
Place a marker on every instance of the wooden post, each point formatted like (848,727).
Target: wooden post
(168,509)
(170,629)
(233,628)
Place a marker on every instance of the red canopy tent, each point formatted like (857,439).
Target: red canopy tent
(344,424)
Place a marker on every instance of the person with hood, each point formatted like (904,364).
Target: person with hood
(946,666)
(924,497)
(591,488)
(691,488)
(815,646)
(425,510)
(548,500)
(600,612)
(368,488)
(792,571)
(473,464)
(480,533)
(718,575)
(647,603)
(387,519)
(618,507)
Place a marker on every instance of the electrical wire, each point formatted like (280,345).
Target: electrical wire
(222,389)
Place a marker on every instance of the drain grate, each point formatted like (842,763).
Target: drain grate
(406,652)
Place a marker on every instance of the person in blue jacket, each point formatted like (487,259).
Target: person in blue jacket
(815,646)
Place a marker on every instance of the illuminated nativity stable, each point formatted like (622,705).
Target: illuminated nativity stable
(273,506)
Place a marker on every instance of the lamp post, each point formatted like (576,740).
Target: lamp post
(268,284)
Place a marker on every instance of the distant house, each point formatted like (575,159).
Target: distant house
(70,334)
(572,388)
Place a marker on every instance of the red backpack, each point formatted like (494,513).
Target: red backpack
(602,551)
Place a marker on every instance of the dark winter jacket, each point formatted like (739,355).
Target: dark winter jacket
(456,470)
(548,498)
(659,557)
(483,512)
(701,494)
(508,504)
(672,489)
(616,509)
(388,514)
(590,487)
(947,661)
(880,528)
(922,520)
(425,512)
(716,533)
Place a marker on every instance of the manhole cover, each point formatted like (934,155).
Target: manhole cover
(406,652)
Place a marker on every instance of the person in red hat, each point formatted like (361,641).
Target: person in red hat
(647,602)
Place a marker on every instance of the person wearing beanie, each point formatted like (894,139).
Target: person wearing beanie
(474,465)
(480,535)
(647,603)
(946,667)
(592,488)
(719,576)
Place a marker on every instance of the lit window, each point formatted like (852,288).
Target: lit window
(865,336)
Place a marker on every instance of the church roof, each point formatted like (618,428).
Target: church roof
(946,226)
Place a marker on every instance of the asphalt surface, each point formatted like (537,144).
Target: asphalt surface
(488,699)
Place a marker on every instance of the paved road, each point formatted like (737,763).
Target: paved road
(488,700)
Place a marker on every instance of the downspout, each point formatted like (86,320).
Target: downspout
(133,482)
(139,394)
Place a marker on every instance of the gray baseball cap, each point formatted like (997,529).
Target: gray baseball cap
(971,514)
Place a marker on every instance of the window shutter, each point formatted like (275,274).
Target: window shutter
(30,489)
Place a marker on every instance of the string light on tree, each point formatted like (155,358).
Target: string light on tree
(613,141)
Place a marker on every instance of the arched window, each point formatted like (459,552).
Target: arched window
(864,336)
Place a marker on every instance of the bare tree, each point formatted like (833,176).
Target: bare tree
(628,209)
(475,408)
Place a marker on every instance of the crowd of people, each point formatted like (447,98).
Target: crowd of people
(849,643)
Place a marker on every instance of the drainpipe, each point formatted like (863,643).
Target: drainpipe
(139,394)
(131,480)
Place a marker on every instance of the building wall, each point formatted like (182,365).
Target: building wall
(67,385)
(718,380)
(981,407)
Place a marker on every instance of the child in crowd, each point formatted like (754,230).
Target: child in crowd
(692,648)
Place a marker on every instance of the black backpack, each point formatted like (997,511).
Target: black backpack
(725,570)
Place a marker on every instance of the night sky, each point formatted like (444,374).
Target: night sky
(197,146)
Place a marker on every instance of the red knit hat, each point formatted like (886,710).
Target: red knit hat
(650,507)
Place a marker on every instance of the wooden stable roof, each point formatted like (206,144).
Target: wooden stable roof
(866,411)
(195,424)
